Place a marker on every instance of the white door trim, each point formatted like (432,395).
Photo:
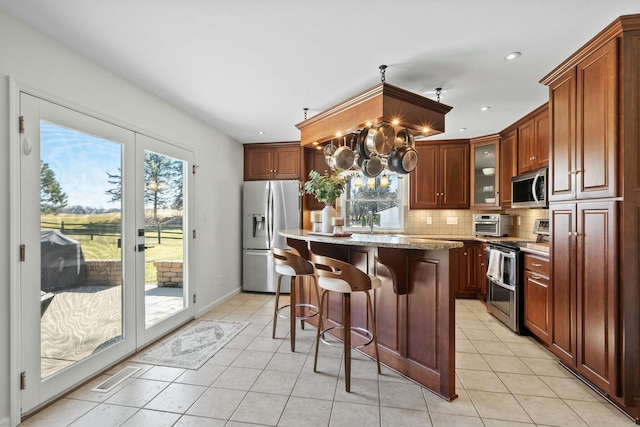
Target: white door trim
(15,87)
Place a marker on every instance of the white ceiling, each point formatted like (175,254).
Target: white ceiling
(246,66)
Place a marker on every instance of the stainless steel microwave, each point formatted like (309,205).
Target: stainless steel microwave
(529,190)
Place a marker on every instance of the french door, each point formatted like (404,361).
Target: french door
(104,214)
(162,238)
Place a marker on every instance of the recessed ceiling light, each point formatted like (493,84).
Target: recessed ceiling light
(462,129)
(512,55)
(260,132)
(485,108)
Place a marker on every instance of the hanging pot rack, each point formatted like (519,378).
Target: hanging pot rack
(379,107)
(380,104)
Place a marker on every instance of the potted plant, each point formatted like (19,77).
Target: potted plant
(326,189)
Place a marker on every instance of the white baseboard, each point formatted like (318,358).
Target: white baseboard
(204,310)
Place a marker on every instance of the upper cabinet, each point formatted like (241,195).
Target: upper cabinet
(272,161)
(441,179)
(584,111)
(485,172)
(508,166)
(533,142)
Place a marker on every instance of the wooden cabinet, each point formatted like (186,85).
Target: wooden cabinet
(441,179)
(314,160)
(584,315)
(537,296)
(485,172)
(272,161)
(584,129)
(480,269)
(468,270)
(533,142)
(508,166)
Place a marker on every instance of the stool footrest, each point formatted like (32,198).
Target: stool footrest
(368,333)
(313,308)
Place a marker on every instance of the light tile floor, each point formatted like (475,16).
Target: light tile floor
(502,380)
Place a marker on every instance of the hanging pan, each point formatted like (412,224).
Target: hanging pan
(329,149)
(361,145)
(404,137)
(381,140)
(372,167)
(403,160)
(343,157)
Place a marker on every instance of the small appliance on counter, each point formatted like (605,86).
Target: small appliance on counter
(493,225)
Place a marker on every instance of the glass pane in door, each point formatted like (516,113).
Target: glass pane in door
(164,236)
(484,174)
(80,233)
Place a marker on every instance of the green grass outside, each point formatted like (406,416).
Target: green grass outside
(106,247)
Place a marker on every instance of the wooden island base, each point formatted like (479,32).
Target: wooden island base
(414,309)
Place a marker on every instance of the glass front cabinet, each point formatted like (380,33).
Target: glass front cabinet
(485,172)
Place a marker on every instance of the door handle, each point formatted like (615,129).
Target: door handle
(142,247)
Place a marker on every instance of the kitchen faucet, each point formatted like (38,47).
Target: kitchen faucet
(370,219)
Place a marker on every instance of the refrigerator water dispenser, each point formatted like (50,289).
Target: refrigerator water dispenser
(258,225)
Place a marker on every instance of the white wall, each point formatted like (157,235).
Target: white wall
(37,61)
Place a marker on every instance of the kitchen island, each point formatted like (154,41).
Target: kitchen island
(415,308)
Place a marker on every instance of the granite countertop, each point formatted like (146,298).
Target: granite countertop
(379,240)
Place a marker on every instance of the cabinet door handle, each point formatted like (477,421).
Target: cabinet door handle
(536,264)
(534,277)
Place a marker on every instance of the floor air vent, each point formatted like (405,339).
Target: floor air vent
(115,379)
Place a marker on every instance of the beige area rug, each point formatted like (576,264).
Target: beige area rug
(191,346)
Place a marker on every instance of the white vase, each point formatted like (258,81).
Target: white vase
(328,212)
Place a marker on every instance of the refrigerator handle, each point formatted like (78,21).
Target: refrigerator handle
(267,221)
(272,225)
(269,224)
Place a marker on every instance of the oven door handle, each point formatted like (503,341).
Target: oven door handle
(502,285)
(510,255)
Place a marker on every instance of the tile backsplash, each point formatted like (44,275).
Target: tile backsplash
(458,222)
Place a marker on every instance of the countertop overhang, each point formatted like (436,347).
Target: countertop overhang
(377,240)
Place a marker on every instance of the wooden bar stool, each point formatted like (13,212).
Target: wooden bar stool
(338,276)
(290,264)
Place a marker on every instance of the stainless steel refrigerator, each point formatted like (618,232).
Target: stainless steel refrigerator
(268,206)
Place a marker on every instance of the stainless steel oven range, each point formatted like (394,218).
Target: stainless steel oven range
(505,281)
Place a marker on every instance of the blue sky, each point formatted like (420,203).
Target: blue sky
(80,163)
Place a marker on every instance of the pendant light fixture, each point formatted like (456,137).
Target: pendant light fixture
(384,180)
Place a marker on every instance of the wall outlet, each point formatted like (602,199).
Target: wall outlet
(429,220)
(452,220)
(220,282)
